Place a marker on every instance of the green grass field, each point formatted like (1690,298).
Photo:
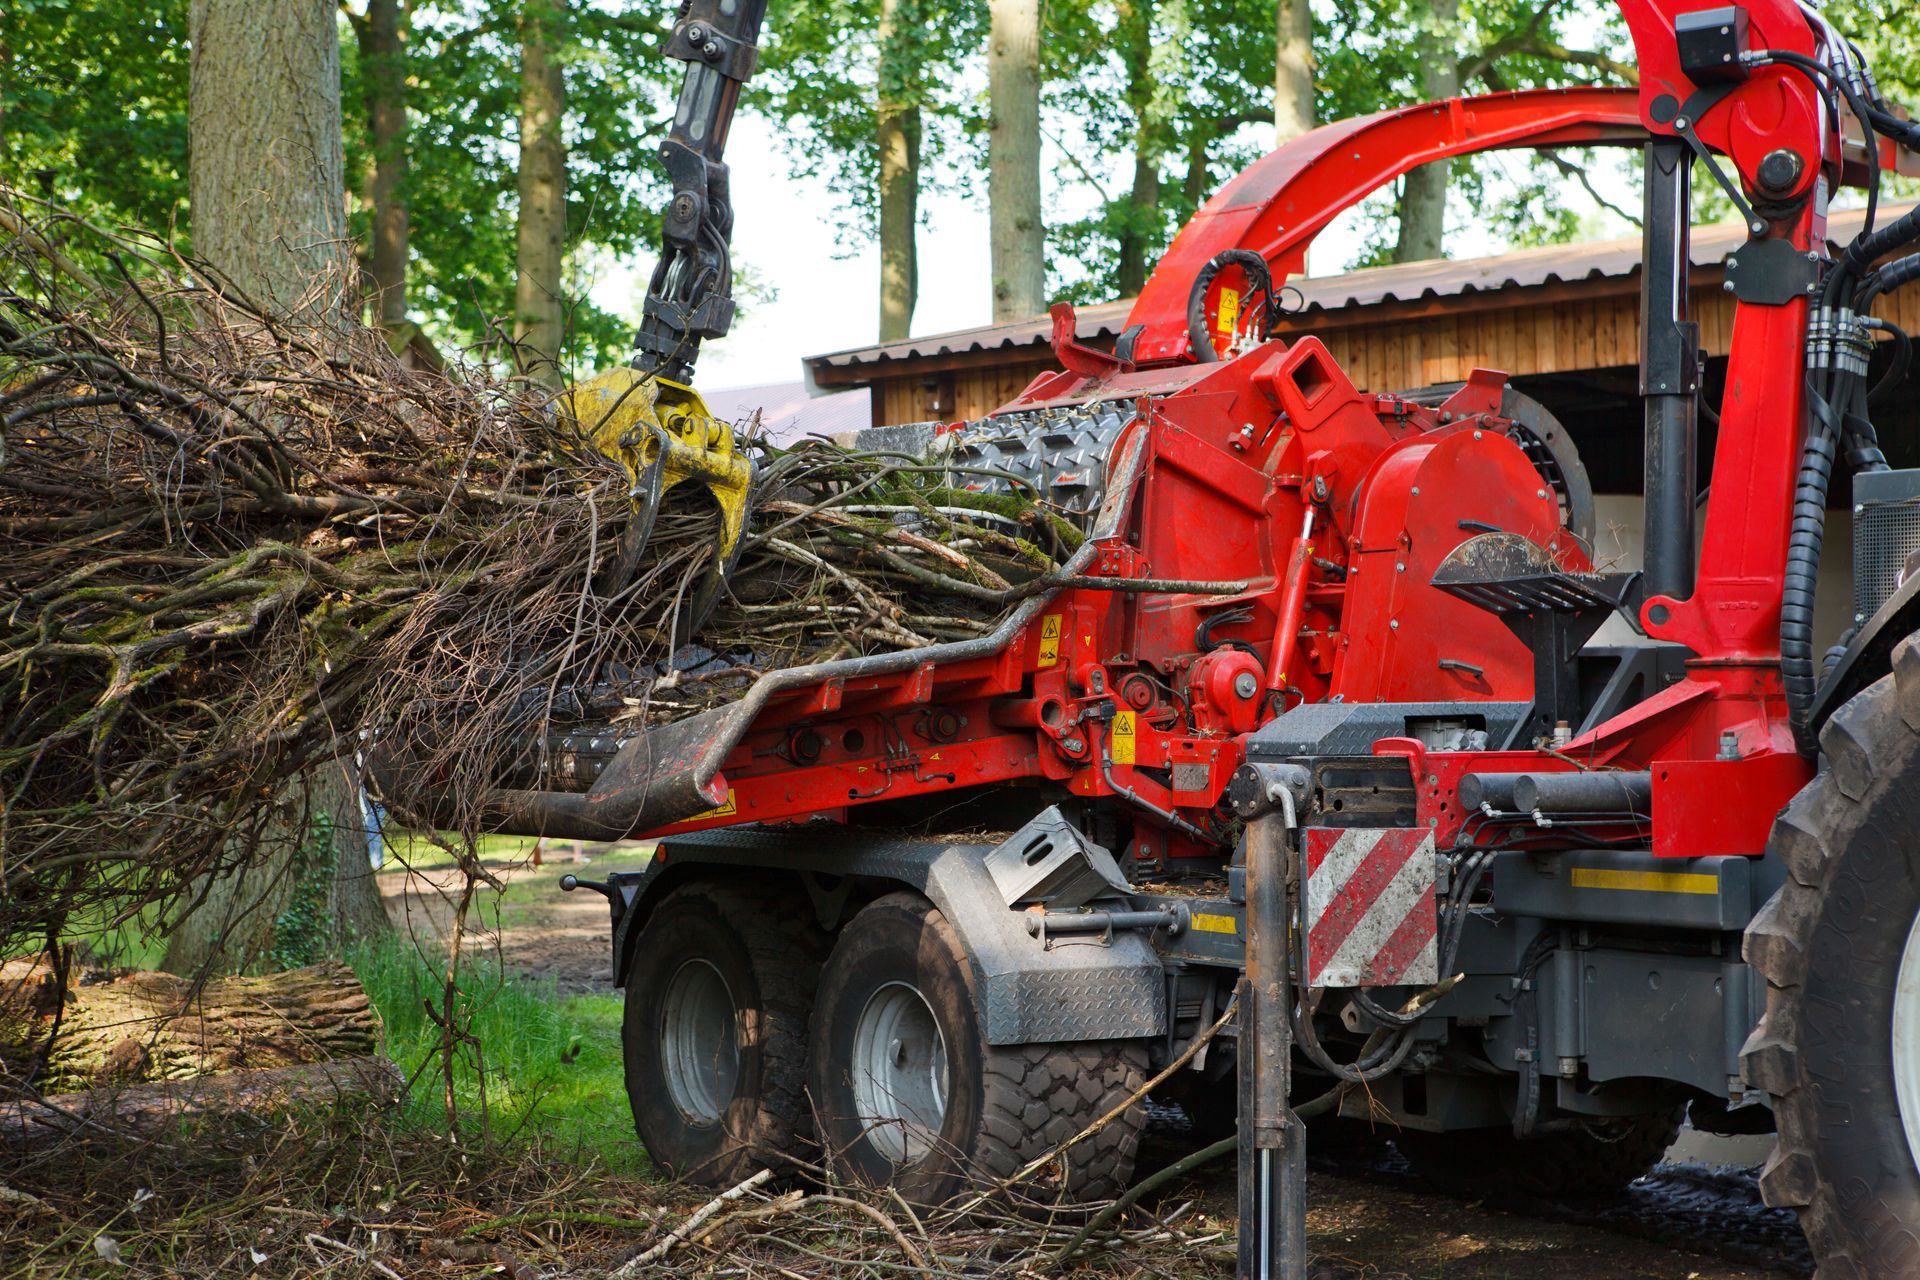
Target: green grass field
(552,1061)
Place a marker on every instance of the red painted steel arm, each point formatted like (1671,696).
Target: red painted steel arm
(1282,201)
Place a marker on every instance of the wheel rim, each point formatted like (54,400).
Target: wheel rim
(899,1073)
(699,1042)
(1906,1041)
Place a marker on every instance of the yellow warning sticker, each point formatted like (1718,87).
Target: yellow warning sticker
(725,809)
(1229,310)
(1645,881)
(1050,628)
(1123,728)
(1215,924)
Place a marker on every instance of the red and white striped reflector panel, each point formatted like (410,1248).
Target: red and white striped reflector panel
(1371,917)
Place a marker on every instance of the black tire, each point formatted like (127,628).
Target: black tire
(1564,1164)
(767,951)
(1004,1106)
(1830,944)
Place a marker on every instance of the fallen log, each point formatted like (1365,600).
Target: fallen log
(158,1027)
(145,1109)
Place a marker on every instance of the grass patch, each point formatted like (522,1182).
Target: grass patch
(552,1061)
(417,849)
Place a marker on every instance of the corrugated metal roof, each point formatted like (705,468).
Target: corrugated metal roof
(1373,286)
(789,413)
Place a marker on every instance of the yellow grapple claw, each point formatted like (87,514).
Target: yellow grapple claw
(663,434)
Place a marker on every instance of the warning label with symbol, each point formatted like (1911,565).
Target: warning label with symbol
(725,809)
(1229,311)
(1050,628)
(1123,737)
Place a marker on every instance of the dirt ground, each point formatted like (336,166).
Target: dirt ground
(537,931)
(1365,1224)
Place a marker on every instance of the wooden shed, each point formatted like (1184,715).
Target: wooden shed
(1563,320)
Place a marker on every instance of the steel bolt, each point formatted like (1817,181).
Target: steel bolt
(1779,170)
(1244,685)
(1393,624)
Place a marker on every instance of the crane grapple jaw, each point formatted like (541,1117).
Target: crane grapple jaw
(663,435)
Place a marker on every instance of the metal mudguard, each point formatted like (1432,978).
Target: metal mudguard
(1870,653)
(1051,991)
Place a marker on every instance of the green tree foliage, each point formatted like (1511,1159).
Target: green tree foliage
(819,80)
(93,98)
(463,95)
(93,105)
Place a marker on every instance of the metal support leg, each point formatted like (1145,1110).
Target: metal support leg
(1273,1141)
(1669,372)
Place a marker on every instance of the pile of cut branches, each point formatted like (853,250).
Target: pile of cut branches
(230,549)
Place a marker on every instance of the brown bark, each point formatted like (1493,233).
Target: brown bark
(265,169)
(1136,38)
(1017,231)
(1293,71)
(538,304)
(1423,194)
(381,37)
(153,1026)
(899,139)
(233,927)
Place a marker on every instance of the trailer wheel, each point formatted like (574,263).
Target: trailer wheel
(906,1092)
(1838,1049)
(1567,1163)
(715,1031)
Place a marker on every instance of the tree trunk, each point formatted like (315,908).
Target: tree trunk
(308,893)
(1143,200)
(383,59)
(539,306)
(1293,71)
(265,170)
(152,1026)
(1423,194)
(1018,233)
(899,128)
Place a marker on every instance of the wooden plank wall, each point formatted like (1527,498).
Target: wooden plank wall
(1560,337)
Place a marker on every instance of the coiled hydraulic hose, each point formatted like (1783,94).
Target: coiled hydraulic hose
(1259,281)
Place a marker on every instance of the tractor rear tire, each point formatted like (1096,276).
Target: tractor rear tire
(1565,1164)
(1838,1049)
(907,1092)
(715,1031)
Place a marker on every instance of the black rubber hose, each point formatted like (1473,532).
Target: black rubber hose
(1803,571)
(1886,279)
(1896,373)
(1259,280)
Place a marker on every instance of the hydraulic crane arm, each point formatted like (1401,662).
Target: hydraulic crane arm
(691,295)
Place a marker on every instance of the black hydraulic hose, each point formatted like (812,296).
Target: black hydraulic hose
(1803,570)
(1870,246)
(1259,280)
(1886,279)
(1896,373)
